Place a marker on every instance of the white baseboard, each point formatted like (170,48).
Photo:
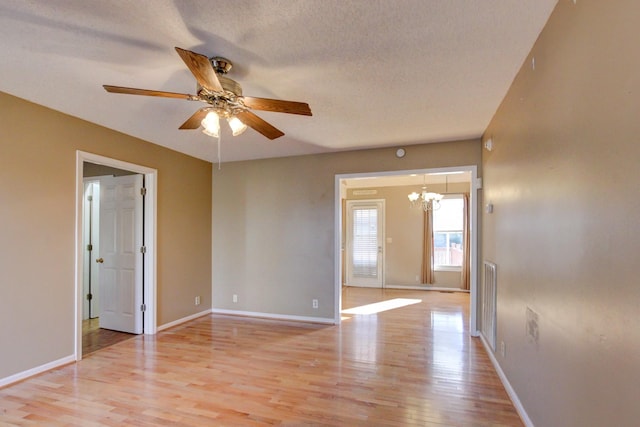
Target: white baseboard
(35,371)
(322,320)
(183,320)
(507,386)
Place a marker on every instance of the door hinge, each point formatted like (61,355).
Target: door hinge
(89,297)
(143,249)
(143,191)
(89,247)
(143,307)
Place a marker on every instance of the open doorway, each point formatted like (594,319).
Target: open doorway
(394,187)
(115,238)
(113,230)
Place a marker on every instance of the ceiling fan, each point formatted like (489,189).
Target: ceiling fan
(224,98)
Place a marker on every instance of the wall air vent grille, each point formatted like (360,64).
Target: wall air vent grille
(488,293)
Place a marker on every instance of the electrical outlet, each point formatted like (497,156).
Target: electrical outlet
(235,298)
(198,300)
(315,303)
(503,349)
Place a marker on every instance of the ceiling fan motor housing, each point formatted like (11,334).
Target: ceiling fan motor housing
(231,87)
(226,104)
(221,65)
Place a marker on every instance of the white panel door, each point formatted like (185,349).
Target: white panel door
(120,262)
(365,248)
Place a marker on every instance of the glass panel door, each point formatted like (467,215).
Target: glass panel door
(365,237)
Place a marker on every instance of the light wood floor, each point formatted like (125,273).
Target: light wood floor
(409,366)
(95,338)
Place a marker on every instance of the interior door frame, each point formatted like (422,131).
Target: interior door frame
(89,305)
(150,229)
(339,193)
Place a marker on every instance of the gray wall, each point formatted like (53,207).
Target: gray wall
(273,224)
(563,178)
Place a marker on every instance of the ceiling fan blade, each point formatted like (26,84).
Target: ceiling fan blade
(193,122)
(277,105)
(134,91)
(259,125)
(201,69)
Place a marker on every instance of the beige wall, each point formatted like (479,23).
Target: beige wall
(37,212)
(273,224)
(563,178)
(403,225)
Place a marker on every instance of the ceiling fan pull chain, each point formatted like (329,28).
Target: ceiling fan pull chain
(219,159)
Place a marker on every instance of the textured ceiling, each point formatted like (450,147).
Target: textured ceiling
(375,72)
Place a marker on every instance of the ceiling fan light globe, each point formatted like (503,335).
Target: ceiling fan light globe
(236,125)
(211,124)
(213,134)
(413,196)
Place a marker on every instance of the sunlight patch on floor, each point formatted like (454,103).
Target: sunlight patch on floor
(379,307)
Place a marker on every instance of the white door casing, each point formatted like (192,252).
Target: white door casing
(150,231)
(365,243)
(90,224)
(120,260)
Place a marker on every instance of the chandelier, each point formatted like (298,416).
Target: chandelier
(426,200)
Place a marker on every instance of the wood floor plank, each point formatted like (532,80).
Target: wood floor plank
(413,365)
(95,338)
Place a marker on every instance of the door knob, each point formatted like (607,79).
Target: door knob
(99,260)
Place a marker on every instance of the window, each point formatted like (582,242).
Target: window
(447,233)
